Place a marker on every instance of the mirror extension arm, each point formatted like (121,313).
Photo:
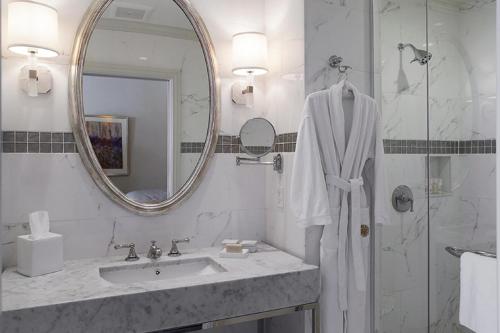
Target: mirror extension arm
(277,162)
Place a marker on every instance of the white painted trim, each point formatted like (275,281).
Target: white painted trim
(173,76)
(146,28)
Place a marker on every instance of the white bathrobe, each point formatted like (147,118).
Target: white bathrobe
(338,181)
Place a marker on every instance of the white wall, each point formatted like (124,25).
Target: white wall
(154,52)
(237,16)
(146,104)
(284,102)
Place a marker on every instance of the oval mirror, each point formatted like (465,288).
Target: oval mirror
(144,100)
(257,137)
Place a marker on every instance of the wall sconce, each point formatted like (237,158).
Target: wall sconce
(33,30)
(249,59)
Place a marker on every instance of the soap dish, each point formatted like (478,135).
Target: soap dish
(224,254)
(250,245)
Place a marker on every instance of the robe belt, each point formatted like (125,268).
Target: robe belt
(354,187)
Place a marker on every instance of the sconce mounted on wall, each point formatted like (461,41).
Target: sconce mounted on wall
(250,60)
(33,31)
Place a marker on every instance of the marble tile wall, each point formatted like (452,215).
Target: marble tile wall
(90,222)
(229,203)
(331,28)
(342,28)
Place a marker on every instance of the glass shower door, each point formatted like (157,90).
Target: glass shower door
(401,248)
(462,104)
(435,83)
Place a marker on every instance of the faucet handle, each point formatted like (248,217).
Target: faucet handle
(174,251)
(185,240)
(132,255)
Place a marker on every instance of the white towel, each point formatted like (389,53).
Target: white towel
(478,293)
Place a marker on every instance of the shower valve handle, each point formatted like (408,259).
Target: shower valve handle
(405,199)
(402,199)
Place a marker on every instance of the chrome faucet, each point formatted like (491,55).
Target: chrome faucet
(174,251)
(154,251)
(132,256)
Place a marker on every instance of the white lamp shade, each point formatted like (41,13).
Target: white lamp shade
(32,27)
(250,53)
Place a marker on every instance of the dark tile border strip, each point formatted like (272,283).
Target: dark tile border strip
(192,147)
(64,142)
(228,144)
(38,142)
(286,143)
(450,147)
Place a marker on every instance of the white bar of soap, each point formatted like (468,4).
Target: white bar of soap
(249,242)
(230,241)
(39,256)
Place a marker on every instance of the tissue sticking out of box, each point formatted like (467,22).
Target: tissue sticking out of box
(39,224)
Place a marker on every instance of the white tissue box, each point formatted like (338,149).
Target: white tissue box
(39,256)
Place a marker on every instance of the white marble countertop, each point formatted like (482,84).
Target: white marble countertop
(78,298)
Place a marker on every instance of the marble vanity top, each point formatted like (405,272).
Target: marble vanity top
(78,296)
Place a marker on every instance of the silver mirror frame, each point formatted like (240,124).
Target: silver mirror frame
(77,116)
(245,150)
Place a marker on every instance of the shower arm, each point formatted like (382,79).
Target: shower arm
(402,47)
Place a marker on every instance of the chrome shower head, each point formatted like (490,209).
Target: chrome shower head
(422,56)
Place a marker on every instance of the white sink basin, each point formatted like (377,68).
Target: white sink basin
(162,270)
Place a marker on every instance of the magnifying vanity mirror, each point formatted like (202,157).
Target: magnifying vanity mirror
(257,139)
(143,87)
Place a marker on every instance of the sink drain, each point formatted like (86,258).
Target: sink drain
(157,272)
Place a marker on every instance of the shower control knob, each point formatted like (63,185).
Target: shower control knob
(402,199)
